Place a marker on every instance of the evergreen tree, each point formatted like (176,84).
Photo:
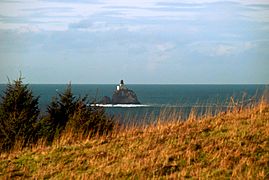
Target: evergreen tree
(59,112)
(66,112)
(18,114)
(87,120)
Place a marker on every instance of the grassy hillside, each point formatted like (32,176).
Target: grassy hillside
(231,144)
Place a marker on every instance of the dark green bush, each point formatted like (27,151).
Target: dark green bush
(18,114)
(91,120)
(66,112)
(20,121)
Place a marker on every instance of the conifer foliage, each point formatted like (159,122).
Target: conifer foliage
(60,110)
(18,114)
(20,120)
(68,113)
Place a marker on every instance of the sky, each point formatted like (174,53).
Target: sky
(140,41)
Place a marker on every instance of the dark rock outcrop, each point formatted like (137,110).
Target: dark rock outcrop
(105,100)
(124,96)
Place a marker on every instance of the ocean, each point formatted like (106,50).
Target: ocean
(155,98)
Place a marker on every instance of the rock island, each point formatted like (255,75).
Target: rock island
(122,95)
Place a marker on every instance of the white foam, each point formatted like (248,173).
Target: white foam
(121,105)
(153,105)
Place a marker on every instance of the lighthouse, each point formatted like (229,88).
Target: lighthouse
(120,86)
(121,95)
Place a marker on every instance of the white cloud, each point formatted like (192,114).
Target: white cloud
(68,12)
(26,27)
(165,47)
(159,54)
(29,28)
(102,26)
(261,15)
(46,15)
(223,50)
(220,48)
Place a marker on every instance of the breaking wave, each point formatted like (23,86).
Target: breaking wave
(121,105)
(157,106)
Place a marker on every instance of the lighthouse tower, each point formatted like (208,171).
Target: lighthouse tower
(120,86)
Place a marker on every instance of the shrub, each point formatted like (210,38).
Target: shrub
(66,112)
(18,114)
(87,120)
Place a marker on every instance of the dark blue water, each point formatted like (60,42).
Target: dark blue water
(156,97)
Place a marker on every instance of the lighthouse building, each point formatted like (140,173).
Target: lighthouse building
(121,86)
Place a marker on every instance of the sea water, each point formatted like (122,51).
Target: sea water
(155,98)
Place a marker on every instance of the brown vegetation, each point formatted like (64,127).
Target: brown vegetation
(233,144)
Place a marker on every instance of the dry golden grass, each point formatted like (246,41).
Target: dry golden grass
(233,144)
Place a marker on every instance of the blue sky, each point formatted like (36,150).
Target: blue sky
(140,41)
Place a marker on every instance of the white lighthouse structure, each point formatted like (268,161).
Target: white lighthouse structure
(120,86)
